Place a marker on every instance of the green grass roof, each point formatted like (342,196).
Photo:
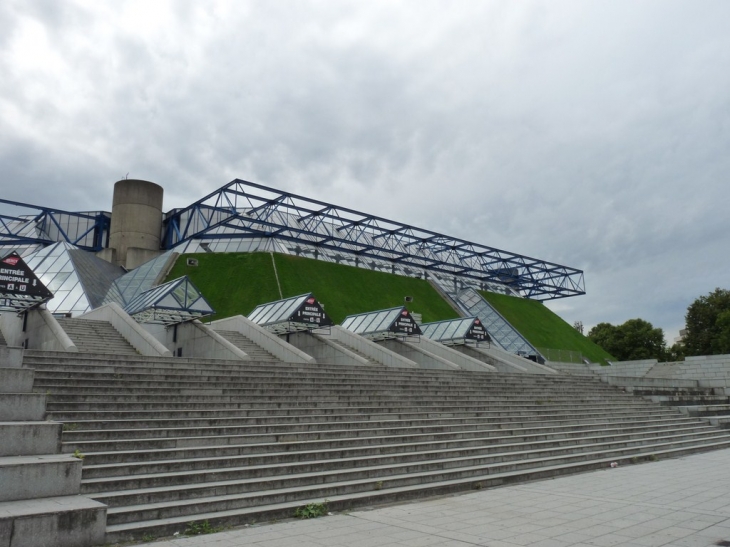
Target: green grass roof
(543,328)
(235,283)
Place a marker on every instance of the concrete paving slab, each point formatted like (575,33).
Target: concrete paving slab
(683,502)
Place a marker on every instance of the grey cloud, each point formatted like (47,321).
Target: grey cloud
(591,134)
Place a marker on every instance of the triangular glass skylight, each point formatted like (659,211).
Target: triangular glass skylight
(174,302)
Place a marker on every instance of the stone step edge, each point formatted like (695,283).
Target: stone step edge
(40,506)
(531,438)
(258,421)
(330,437)
(538,462)
(168,527)
(440,455)
(692,425)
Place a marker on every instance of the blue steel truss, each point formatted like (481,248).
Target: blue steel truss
(36,225)
(244,209)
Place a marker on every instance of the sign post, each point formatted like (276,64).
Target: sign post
(20,288)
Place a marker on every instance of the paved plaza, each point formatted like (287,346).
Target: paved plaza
(683,502)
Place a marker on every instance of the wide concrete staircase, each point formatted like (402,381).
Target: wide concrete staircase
(39,487)
(170,441)
(705,399)
(253,350)
(95,336)
(347,347)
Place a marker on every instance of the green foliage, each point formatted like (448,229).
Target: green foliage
(70,427)
(633,340)
(543,328)
(235,283)
(77,454)
(312,510)
(199,528)
(708,324)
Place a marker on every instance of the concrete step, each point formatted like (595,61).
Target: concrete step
(291,422)
(169,439)
(30,438)
(15,380)
(31,477)
(337,429)
(68,521)
(689,400)
(177,365)
(95,336)
(300,449)
(98,465)
(340,344)
(161,487)
(359,482)
(251,466)
(377,494)
(334,438)
(22,406)
(253,350)
(705,410)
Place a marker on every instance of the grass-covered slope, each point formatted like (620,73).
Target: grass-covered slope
(236,283)
(542,327)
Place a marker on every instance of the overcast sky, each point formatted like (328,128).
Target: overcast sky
(592,134)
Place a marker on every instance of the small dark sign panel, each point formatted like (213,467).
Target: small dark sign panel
(405,324)
(477,332)
(18,280)
(311,313)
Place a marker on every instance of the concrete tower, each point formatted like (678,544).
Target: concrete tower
(136,226)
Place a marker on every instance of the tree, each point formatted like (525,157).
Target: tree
(708,324)
(635,339)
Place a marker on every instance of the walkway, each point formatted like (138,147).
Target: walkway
(683,502)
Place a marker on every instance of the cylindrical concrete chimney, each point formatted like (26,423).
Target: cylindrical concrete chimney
(136,224)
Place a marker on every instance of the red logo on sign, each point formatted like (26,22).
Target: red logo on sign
(310,301)
(477,322)
(404,313)
(12,260)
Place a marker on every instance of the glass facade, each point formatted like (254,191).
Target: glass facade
(382,324)
(55,269)
(137,281)
(456,331)
(293,314)
(504,334)
(176,301)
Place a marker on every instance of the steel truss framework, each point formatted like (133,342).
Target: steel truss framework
(243,209)
(36,225)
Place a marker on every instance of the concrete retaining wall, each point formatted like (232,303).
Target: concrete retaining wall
(464,361)
(323,350)
(11,357)
(422,356)
(193,339)
(42,331)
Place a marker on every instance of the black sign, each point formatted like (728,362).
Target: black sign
(311,313)
(18,280)
(477,332)
(405,324)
